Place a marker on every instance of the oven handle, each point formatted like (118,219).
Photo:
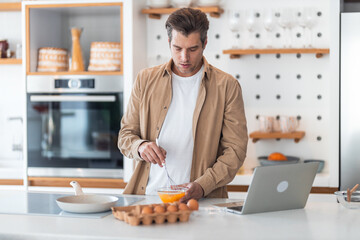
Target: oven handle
(60,98)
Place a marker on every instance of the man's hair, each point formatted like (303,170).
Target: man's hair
(187,21)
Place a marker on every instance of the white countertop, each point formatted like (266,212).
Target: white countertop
(322,218)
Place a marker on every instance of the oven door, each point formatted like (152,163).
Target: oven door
(74,130)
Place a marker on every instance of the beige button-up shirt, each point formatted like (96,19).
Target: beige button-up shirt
(219,127)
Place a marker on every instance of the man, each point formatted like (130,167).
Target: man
(195,111)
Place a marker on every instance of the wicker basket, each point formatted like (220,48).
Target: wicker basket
(52,60)
(105,56)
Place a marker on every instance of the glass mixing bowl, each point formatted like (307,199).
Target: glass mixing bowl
(168,195)
(355,199)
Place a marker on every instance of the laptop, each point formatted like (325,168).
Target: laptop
(276,188)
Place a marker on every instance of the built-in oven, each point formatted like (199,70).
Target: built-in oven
(73,124)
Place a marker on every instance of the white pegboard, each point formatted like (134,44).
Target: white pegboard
(299,80)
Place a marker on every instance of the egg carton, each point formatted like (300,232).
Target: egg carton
(133,216)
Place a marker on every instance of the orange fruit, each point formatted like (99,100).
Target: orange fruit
(276,156)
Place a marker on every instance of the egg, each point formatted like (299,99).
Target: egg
(147,210)
(183,207)
(172,208)
(193,204)
(159,209)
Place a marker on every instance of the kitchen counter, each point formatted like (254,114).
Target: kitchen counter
(322,218)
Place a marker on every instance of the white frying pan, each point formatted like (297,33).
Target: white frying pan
(85,203)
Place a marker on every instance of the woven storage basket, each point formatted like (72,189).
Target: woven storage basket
(52,60)
(105,56)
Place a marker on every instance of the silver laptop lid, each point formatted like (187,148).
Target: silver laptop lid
(281,187)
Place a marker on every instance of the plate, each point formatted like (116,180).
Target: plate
(265,162)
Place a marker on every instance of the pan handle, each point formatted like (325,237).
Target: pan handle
(77,188)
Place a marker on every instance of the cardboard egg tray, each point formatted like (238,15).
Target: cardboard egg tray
(132,215)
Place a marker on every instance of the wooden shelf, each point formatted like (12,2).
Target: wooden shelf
(75,73)
(236,53)
(10,61)
(11,182)
(297,136)
(10,6)
(84,182)
(156,13)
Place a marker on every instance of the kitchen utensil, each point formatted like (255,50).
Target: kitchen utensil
(52,60)
(342,198)
(265,162)
(105,56)
(77,62)
(171,183)
(321,163)
(86,203)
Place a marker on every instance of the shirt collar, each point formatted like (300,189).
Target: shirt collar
(168,65)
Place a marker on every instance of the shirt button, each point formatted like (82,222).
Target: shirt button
(157,128)
(165,107)
(142,188)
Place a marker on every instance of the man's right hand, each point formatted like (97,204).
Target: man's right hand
(151,153)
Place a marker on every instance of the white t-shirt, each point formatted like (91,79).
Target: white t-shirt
(176,133)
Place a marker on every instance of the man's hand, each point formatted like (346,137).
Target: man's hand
(151,153)
(194,191)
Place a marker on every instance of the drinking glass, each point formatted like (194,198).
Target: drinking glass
(250,26)
(234,25)
(310,22)
(302,24)
(269,25)
(287,21)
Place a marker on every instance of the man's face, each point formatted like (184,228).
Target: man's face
(186,53)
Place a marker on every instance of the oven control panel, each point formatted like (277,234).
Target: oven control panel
(75,83)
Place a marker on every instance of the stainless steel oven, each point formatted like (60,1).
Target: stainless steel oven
(72,126)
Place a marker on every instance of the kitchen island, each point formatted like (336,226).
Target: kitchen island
(322,218)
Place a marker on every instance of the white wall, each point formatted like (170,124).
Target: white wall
(12,101)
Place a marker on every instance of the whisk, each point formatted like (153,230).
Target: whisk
(170,182)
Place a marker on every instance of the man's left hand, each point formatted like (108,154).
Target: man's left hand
(194,191)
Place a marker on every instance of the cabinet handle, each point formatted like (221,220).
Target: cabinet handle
(59,98)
